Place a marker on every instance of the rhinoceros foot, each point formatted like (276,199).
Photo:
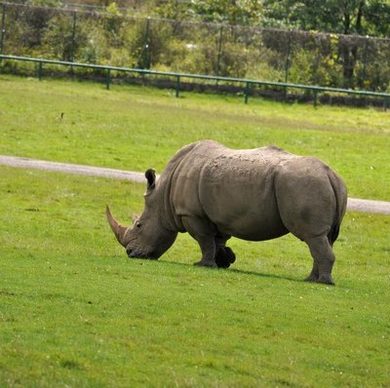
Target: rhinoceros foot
(224,257)
(325,279)
(205,263)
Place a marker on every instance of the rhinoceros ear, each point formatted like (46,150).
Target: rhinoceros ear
(150,176)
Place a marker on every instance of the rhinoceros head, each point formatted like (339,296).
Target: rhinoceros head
(148,238)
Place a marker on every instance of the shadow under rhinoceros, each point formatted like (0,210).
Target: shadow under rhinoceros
(236,271)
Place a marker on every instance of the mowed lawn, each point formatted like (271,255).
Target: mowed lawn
(74,311)
(135,128)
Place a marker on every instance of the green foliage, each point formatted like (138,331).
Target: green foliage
(315,66)
(64,38)
(301,69)
(244,12)
(120,39)
(347,17)
(44,3)
(92,51)
(378,18)
(113,24)
(189,58)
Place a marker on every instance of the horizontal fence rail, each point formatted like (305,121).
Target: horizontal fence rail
(247,84)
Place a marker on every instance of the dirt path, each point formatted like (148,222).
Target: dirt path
(354,204)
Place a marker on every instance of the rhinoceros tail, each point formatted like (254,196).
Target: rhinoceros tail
(334,233)
(340,193)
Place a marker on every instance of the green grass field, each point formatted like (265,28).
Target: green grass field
(135,128)
(74,311)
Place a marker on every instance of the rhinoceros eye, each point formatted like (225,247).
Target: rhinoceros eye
(138,224)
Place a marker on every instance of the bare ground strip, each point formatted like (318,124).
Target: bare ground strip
(354,204)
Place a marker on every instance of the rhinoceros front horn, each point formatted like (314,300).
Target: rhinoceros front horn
(118,229)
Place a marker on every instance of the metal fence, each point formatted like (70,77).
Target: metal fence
(246,86)
(276,56)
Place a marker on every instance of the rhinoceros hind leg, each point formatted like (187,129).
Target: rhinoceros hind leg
(314,275)
(323,258)
(224,257)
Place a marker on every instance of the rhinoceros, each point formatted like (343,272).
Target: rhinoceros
(213,193)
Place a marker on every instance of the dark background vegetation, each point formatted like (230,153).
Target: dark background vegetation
(329,43)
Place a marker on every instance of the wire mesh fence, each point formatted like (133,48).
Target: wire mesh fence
(112,38)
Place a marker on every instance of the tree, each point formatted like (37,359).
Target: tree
(245,12)
(347,17)
(339,16)
(378,18)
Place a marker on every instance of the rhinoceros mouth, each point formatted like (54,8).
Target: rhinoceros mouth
(134,254)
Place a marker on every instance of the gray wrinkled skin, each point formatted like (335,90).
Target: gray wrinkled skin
(213,193)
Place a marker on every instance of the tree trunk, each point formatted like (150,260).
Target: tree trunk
(350,51)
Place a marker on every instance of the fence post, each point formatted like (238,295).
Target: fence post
(177,86)
(287,64)
(219,51)
(363,77)
(2,30)
(145,55)
(108,79)
(315,102)
(40,70)
(73,37)
(315,64)
(246,92)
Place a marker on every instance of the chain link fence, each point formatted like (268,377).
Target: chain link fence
(341,61)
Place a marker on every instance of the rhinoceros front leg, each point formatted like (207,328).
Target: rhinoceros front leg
(204,233)
(323,260)
(224,255)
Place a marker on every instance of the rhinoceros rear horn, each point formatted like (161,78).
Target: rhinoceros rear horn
(119,230)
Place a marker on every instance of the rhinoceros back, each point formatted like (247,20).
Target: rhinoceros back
(232,188)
